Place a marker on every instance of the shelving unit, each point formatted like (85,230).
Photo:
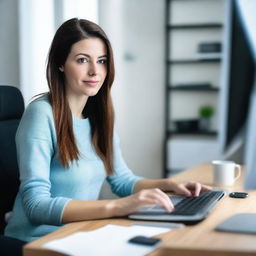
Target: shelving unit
(192,80)
(176,88)
(193,61)
(200,26)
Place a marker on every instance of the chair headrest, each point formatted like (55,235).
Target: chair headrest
(11,103)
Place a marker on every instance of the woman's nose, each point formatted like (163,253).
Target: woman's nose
(93,70)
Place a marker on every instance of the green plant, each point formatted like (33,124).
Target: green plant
(206,111)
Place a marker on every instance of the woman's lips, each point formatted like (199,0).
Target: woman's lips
(91,82)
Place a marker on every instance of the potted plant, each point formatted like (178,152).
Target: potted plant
(205,113)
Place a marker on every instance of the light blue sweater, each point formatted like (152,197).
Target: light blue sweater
(46,186)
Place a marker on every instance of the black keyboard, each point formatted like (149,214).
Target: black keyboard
(192,205)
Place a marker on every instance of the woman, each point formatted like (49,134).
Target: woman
(66,146)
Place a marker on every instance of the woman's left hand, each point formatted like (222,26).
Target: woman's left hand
(190,188)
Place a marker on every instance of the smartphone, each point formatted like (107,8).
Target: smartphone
(144,240)
(238,194)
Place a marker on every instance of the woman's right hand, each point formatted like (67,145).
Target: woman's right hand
(143,198)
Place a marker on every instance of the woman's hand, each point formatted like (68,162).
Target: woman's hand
(143,198)
(190,188)
(154,196)
(145,195)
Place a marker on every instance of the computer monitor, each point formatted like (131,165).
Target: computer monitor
(240,92)
(240,78)
(250,145)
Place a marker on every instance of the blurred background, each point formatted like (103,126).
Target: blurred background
(171,61)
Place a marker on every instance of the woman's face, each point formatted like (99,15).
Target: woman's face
(85,68)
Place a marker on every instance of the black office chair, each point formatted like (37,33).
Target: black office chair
(11,110)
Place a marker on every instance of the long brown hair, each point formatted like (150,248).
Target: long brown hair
(98,109)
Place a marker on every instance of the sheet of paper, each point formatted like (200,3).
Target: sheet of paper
(108,240)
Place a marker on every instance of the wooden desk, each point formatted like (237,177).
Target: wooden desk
(196,240)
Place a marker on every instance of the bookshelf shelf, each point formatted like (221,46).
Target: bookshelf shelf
(199,133)
(193,88)
(196,26)
(194,61)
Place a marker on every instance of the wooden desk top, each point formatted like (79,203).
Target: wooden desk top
(196,240)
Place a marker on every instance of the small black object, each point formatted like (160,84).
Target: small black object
(209,47)
(144,240)
(187,125)
(238,194)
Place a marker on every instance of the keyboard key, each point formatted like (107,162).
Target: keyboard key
(193,205)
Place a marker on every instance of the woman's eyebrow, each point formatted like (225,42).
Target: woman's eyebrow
(103,56)
(87,55)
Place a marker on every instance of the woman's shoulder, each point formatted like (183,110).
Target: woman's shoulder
(39,111)
(41,104)
(37,120)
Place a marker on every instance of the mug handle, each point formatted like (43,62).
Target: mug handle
(238,167)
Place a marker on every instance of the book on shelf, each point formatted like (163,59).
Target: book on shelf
(209,50)
(184,86)
(209,47)
(186,125)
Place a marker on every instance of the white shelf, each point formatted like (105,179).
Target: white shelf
(187,152)
(196,11)
(183,151)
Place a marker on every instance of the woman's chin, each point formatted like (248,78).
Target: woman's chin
(91,93)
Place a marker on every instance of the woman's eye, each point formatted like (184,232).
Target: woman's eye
(103,61)
(82,60)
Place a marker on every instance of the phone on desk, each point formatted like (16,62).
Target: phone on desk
(238,194)
(143,240)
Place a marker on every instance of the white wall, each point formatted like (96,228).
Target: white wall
(136,29)
(36,29)
(9,53)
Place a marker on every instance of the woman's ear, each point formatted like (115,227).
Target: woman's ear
(61,69)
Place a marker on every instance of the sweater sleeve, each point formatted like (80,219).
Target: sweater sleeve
(122,181)
(35,140)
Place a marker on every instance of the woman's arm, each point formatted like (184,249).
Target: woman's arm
(188,189)
(146,192)
(88,210)
(35,139)
(77,210)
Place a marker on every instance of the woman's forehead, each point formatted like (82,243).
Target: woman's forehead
(92,46)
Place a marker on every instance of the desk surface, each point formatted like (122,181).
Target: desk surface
(196,240)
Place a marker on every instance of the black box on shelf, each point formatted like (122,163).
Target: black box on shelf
(209,47)
(186,125)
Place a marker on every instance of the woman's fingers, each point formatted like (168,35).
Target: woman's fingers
(206,188)
(191,188)
(194,187)
(163,200)
(181,189)
(155,197)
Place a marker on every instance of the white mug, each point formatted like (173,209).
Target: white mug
(224,172)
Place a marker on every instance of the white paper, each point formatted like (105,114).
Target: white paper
(108,240)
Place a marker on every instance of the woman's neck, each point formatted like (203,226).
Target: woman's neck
(77,105)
